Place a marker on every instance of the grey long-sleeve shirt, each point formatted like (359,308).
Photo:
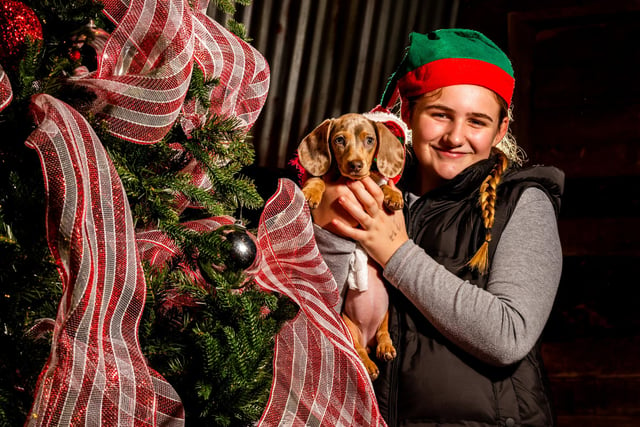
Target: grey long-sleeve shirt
(498,325)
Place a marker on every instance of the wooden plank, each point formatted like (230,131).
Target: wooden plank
(578,161)
(588,125)
(596,300)
(598,55)
(601,197)
(598,378)
(544,39)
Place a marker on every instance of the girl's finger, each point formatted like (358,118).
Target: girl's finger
(362,190)
(373,188)
(346,230)
(355,209)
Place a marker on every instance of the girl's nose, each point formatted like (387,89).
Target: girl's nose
(455,134)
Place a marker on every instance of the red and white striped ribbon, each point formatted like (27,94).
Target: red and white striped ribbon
(144,70)
(319,379)
(157,248)
(96,373)
(6,94)
(242,70)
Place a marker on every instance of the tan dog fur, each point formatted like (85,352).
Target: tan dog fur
(348,146)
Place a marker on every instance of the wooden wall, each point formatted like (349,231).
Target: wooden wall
(578,108)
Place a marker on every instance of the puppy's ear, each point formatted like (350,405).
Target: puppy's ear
(313,151)
(390,157)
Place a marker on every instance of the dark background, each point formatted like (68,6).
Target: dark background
(577,107)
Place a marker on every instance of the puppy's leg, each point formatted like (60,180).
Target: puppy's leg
(366,310)
(360,346)
(392,197)
(313,189)
(385,349)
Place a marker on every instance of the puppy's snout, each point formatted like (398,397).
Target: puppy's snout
(356,166)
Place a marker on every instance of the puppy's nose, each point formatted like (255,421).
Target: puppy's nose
(355,165)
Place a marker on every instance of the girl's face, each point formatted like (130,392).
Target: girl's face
(453,128)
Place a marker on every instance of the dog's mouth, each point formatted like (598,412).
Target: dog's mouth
(356,175)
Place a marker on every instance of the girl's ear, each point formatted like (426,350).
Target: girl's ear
(502,131)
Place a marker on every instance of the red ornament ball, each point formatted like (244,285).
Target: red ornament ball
(18,23)
(75,55)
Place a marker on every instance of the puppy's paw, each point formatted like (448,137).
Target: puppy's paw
(313,198)
(372,369)
(392,198)
(386,351)
(313,190)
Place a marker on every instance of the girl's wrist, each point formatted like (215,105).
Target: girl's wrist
(384,254)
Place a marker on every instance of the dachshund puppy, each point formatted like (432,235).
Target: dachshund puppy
(349,145)
(355,147)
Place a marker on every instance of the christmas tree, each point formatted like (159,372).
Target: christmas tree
(94,93)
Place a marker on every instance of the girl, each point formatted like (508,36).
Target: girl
(474,260)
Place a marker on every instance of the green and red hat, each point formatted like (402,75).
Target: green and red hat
(449,57)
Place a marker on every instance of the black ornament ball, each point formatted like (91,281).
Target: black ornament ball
(242,249)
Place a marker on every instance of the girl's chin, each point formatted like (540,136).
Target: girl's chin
(449,171)
(448,176)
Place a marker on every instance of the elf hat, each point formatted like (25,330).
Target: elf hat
(449,57)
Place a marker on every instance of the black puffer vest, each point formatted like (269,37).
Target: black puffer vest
(432,382)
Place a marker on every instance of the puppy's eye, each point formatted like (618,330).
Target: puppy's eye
(339,140)
(369,140)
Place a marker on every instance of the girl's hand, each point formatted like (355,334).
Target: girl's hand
(329,208)
(380,231)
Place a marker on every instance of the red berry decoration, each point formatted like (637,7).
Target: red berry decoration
(18,25)
(75,55)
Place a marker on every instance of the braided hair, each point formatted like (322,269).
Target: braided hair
(487,199)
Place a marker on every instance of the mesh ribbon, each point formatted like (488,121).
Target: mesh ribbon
(6,94)
(199,178)
(96,373)
(319,379)
(242,70)
(144,69)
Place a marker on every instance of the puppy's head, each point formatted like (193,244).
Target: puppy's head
(353,140)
